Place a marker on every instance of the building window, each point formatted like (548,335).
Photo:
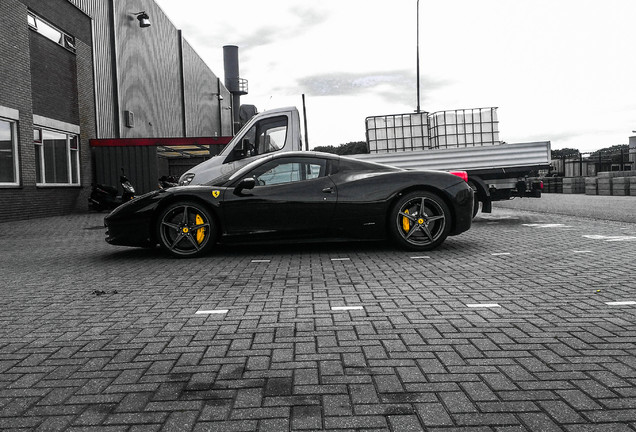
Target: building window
(8,153)
(57,158)
(50,32)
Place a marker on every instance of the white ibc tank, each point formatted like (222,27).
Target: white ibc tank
(464,128)
(397,132)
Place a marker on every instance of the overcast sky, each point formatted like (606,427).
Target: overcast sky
(559,70)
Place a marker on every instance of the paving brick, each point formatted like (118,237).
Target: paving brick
(273,425)
(539,421)
(561,412)
(306,417)
(406,423)
(457,402)
(553,356)
(356,423)
(363,393)
(388,384)
(478,391)
(433,414)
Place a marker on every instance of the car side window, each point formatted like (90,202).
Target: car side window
(288,171)
(314,171)
(283,173)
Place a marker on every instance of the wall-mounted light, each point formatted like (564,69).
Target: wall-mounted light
(144,19)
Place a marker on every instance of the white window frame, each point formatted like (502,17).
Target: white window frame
(72,155)
(51,32)
(12,116)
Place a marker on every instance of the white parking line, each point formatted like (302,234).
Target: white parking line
(582,251)
(547,225)
(209,312)
(342,308)
(482,305)
(340,259)
(621,303)
(500,253)
(420,257)
(260,260)
(610,238)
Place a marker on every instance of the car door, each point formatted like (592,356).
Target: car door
(293,198)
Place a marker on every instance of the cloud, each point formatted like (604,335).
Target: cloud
(300,20)
(395,86)
(309,17)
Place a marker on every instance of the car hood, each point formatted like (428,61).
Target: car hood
(208,170)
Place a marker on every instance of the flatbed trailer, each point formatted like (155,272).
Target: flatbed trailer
(467,140)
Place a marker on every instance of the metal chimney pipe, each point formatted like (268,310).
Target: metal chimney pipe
(232,80)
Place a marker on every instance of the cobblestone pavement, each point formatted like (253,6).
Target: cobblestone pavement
(616,208)
(512,326)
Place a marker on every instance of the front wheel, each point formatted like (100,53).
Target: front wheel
(186,229)
(420,220)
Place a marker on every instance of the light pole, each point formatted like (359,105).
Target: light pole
(418,56)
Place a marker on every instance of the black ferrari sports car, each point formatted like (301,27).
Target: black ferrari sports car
(298,196)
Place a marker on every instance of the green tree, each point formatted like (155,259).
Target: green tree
(568,153)
(350,148)
(612,153)
(612,150)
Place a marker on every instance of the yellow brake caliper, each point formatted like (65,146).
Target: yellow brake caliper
(200,231)
(406,224)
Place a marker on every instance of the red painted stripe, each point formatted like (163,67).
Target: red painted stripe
(140,142)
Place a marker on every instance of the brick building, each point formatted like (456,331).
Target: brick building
(76,70)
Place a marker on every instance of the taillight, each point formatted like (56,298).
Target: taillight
(541,185)
(461,174)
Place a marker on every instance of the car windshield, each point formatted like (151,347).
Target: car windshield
(224,178)
(221,180)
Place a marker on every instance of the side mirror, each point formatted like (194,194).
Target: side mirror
(246,183)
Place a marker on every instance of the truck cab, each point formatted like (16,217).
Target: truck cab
(271,131)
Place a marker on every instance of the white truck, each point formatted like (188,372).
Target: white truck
(267,132)
(463,139)
(466,140)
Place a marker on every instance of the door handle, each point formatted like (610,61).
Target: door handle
(327,190)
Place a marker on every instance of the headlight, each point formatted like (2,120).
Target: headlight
(186,179)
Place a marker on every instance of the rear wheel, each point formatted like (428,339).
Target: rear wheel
(420,220)
(186,229)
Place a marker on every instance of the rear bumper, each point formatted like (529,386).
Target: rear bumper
(461,196)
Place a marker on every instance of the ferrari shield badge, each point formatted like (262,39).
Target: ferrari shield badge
(216,193)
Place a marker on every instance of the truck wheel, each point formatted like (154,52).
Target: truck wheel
(476,198)
(476,206)
(186,229)
(419,220)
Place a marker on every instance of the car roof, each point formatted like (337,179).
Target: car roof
(309,154)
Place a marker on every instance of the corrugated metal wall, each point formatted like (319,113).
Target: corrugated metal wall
(141,70)
(139,165)
(99,10)
(149,71)
(148,81)
(201,96)
(206,115)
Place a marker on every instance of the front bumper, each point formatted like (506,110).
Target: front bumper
(129,233)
